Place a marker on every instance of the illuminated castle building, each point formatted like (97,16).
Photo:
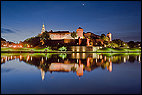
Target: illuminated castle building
(110,36)
(79,32)
(58,35)
(81,39)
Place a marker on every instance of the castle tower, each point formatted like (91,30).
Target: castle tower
(110,36)
(43,29)
(79,41)
(88,40)
(79,32)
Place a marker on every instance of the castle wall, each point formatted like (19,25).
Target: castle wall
(83,48)
(58,36)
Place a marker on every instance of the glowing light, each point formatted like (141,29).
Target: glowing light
(20,57)
(83,49)
(31,58)
(83,55)
(101,56)
(72,49)
(77,56)
(28,57)
(96,60)
(5,58)
(88,62)
(77,60)
(109,59)
(42,74)
(98,57)
(73,55)
(128,57)
(2,60)
(77,48)
(105,58)
(28,45)
(110,67)
(124,60)
(94,55)
(14,46)
(139,59)
(21,46)
(42,60)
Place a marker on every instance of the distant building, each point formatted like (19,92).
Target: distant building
(58,35)
(66,36)
(110,36)
(79,32)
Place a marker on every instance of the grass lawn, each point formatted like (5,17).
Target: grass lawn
(22,49)
(119,50)
(99,50)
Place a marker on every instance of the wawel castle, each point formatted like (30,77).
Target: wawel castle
(58,35)
(82,37)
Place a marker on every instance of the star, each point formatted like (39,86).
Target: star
(83,4)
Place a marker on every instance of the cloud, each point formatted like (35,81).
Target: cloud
(4,30)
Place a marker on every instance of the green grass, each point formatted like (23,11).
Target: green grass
(119,50)
(99,50)
(22,49)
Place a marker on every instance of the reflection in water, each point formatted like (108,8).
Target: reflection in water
(76,62)
(42,73)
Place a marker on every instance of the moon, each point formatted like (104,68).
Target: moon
(83,4)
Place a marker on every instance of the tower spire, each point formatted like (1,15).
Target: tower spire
(43,28)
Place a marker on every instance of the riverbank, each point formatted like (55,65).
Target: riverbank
(45,50)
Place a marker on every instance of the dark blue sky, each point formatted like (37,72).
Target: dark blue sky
(23,19)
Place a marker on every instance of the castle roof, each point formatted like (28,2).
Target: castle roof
(62,32)
(79,28)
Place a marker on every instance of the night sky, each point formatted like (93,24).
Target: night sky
(23,19)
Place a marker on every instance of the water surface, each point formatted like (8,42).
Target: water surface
(75,73)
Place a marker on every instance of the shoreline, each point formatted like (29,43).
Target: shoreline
(66,52)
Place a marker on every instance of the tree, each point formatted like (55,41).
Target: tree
(118,41)
(105,38)
(102,36)
(63,48)
(131,44)
(63,55)
(74,34)
(45,35)
(34,41)
(48,48)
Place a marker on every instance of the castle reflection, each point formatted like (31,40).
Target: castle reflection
(76,62)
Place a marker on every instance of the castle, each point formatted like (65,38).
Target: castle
(58,35)
(62,35)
